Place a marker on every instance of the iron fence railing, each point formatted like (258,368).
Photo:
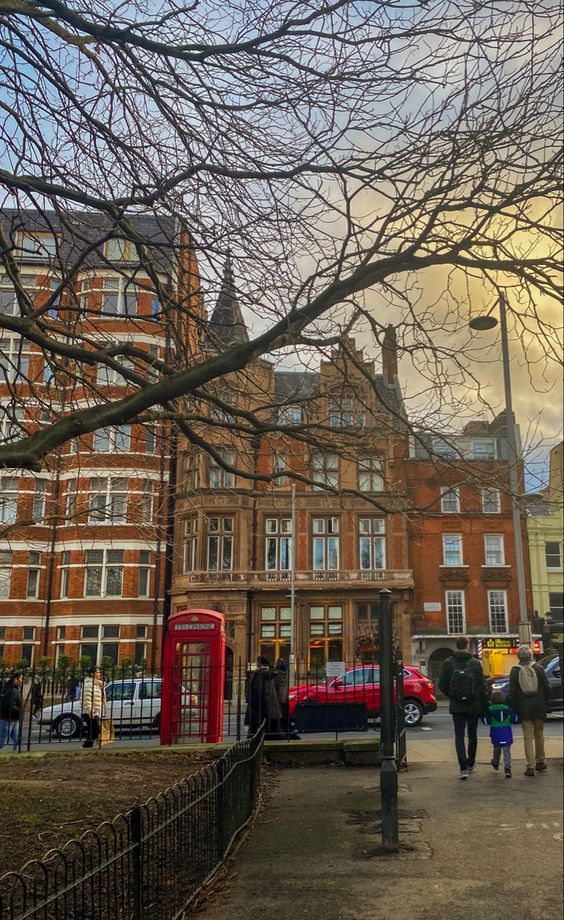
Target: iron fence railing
(150,862)
(53,703)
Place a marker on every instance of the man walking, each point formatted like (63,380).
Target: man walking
(462,681)
(529,693)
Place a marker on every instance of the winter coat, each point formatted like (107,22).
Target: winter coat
(480,701)
(529,707)
(500,717)
(93,697)
(11,703)
(263,697)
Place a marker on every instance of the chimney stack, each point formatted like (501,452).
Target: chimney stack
(390,354)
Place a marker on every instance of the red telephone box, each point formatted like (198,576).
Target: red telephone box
(193,677)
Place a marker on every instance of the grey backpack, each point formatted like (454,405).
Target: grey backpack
(528,680)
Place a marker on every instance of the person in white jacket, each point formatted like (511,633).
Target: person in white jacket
(93,701)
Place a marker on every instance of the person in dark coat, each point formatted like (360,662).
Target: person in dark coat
(282,690)
(465,711)
(262,699)
(531,709)
(11,710)
(36,696)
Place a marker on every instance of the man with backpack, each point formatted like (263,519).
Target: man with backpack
(462,681)
(529,693)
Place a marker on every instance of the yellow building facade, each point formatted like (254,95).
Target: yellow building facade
(545,524)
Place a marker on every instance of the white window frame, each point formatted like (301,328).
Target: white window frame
(107,501)
(33,576)
(493,555)
(10,417)
(483,449)
(37,246)
(494,595)
(110,376)
(325,470)
(116,439)
(221,535)
(279,466)
(190,548)
(458,611)
(105,565)
(370,472)
(39,500)
(325,544)
(371,541)
(450,500)
(144,573)
(8,499)
(9,305)
(6,568)
(451,537)
(15,357)
(278,544)
(218,477)
(120,294)
(491,497)
(65,573)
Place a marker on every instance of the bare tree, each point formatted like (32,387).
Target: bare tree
(363,163)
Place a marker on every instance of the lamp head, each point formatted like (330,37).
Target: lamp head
(482,323)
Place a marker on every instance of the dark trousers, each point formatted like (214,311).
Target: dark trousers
(93,729)
(463,721)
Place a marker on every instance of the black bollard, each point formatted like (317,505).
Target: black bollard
(388,772)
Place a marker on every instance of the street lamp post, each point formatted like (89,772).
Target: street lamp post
(489,322)
(388,770)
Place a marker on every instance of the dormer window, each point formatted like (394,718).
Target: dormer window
(482,449)
(38,247)
(119,250)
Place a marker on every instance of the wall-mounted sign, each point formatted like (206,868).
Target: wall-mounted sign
(334,668)
(432,607)
(497,642)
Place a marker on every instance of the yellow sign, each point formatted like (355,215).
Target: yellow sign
(498,643)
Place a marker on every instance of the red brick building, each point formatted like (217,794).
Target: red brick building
(82,542)
(461,545)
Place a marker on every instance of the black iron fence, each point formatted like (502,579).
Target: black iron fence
(150,862)
(344,698)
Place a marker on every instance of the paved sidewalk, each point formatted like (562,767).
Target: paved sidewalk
(487,847)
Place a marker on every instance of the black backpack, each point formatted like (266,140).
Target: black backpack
(462,686)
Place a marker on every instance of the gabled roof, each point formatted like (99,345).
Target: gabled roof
(226,325)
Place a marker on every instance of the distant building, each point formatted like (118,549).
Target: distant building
(461,546)
(82,543)
(545,526)
(234,536)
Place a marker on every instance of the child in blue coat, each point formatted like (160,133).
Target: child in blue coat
(500,718)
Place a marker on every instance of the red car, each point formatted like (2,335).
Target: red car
(362,685)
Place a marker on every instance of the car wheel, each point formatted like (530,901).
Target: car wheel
(413,712)
(67,727)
